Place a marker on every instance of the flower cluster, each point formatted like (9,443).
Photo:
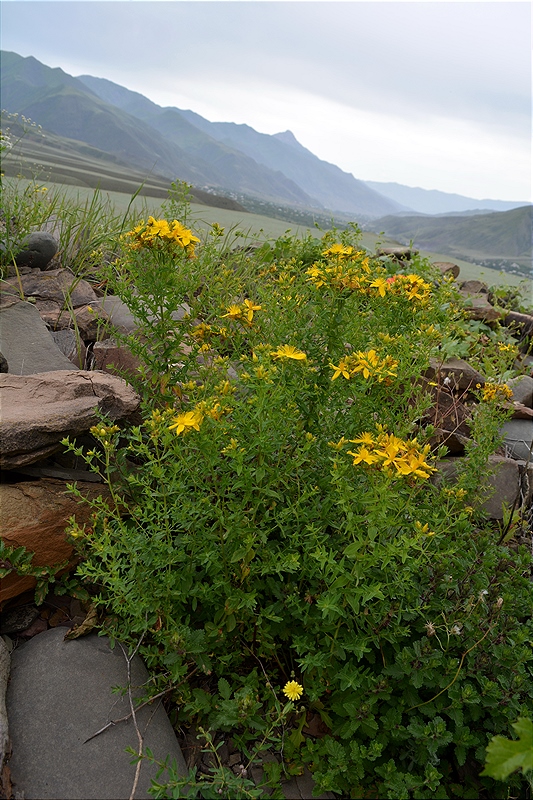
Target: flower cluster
(341,275)
(413,287)
(496,392)
(390,453)
(158,231)
(347,268)
(368,363)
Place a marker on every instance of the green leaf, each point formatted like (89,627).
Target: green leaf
(506,755)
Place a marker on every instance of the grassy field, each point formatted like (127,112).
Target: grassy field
(256,227)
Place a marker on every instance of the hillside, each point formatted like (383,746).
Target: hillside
(505,237)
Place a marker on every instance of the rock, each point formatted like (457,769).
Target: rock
(521,326)
(4,366)
(71,345)
(117,312)
(60,694)
(35,514)
(399,253)
(522,388)
(518,438)
(38,249)
(450,418)
(40,410)
(455,374)
(447,268)
(474,287)
(56,288)
(5,663)
(19,618)
(92,322)
(26,342)
(115,359)
(504,484)
(477,306)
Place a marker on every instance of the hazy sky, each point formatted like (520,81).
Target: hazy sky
(430,94)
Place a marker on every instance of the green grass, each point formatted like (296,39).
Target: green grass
(256,226)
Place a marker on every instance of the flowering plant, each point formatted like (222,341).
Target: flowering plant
(273,519)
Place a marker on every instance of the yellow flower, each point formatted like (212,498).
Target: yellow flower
(293,690)
(366,438)
(343,369)
(186,421)
(249,309)
(338,250)
(288,351)
(495,391)
(381,285)
(364,456)
(234,312)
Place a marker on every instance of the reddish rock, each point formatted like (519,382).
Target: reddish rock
(35,515)
(116,359)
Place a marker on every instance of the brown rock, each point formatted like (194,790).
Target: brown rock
(474,287)
(447,268)
(40,410)
(450,418)
(454,373)
(116,359)
(478,307)
(35,515)
(91,322)
(56,285)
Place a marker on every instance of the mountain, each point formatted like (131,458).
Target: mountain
(505,235)
(326,184)
(431,201)
(67,107)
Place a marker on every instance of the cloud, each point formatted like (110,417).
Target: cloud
(444,88)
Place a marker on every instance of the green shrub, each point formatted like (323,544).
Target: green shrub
(274,519)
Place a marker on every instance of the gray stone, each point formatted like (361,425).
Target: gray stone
(401,253)
(502,486)
(518,438)
(38,249)
(38,411)
(522,390)
(59,695)
(26,342)
(71,345)
(5,662)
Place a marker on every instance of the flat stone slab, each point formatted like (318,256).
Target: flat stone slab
(518,438)
(58,696)
(38,411)
(26,343)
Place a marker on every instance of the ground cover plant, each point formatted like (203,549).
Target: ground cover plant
(277,545)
